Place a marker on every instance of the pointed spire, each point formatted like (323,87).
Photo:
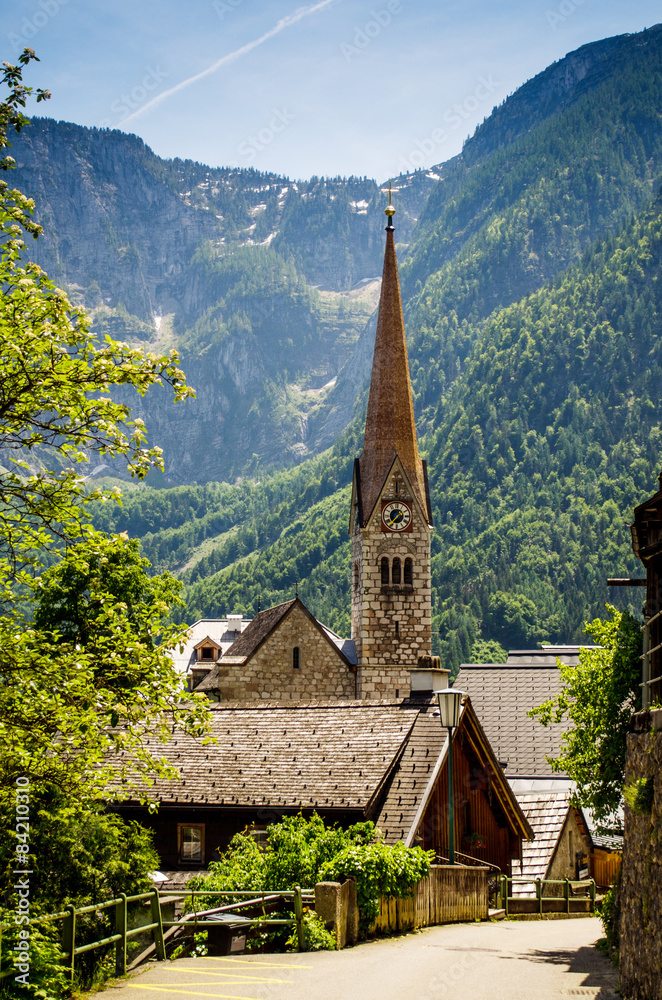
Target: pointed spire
(389,428)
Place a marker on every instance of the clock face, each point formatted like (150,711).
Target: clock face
(396,516)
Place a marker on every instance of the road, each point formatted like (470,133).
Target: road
(505,960)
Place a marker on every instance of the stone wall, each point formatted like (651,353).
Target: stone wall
(391,623)
(572,841)
(270,674)
(641,878)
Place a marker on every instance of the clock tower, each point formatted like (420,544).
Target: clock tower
(391,517)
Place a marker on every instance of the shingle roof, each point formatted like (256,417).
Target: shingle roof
(502,695)
(419,767)
(215,629)
(259,630)
(412,774)
(262,625)
(332,755)
(546,812)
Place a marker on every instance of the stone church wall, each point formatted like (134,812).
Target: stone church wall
(269,674)
(641,878)
(391,624)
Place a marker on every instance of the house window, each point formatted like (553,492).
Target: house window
(384,572)
(191,842)
(396,572)
(259,835)
(207,653)
(296,659)
(409,572)
(356,576)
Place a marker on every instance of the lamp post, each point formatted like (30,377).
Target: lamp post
(450,701)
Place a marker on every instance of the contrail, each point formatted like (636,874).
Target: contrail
(284,22)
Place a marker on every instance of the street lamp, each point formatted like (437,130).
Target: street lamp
(450,701)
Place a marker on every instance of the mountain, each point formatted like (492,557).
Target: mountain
(263,284)
(533,309)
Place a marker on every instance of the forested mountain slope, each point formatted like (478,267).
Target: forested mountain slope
(533,310)
(516,208)
(262,283)
(545,443)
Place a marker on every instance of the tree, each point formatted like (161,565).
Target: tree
(85,678)
(85,684)
(598,697)
(56,383)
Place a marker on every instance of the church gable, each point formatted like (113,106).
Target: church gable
(288,657)
(396,491)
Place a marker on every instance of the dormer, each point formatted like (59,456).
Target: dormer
(207,651)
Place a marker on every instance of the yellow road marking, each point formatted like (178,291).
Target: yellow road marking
(235,975)
(263,965)
(193,993)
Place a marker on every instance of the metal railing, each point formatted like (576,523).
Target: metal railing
(539,883)
(122,932)
(297,895)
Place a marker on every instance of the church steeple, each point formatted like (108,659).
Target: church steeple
(390,429)
(391,519)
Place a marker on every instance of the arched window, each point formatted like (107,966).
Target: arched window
(295,658)
(409,572)
(396,572)
(384,572)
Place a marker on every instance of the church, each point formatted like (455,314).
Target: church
(305,720)
(284,653)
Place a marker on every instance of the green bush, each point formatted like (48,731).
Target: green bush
(315,934)
(303,851)
(610,915)
(639,796)
(379,870)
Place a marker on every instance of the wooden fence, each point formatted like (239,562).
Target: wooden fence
(451,894)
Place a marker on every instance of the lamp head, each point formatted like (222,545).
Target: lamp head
(450,702)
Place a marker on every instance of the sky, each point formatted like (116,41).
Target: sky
(326,87)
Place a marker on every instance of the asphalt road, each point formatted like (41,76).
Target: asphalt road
(505,960)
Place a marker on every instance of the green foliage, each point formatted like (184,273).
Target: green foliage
(84,681)
(598,697)
(100,676)
(78,855)
(303,851)
(316,936)
(610,917)
(639,795)
(379,870)
(488,652)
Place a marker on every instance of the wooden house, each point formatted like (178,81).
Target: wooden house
(349,761)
